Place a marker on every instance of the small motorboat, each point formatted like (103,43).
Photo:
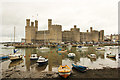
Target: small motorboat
(44,48)
(64,71)
(15,56)
(33,57)
(114,47)
(93,56)
(95,45)
(71,55)
(81,48)
(119,55)
(2,56)
(41,60)
(79,67)
(100,49)
(69,47)
(8,47)
(110,55)
(61,51)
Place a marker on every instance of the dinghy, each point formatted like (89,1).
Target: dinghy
(81,48)
(79,67)
(2,56)
(41,60)
(15,56)
(93,56)
(33,57)
(61,51)
(71,55)
(110,55)
(100,49)
(64,71)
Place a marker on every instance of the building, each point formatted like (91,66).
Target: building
(55,34)
(115,37)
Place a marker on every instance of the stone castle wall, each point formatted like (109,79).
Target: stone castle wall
(56,35)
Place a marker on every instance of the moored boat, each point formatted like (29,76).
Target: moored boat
(64,71)
(15,56)
(100,49)
(41,60)
(71,55)
(93,56)
(4,56)
(8,47)
(114,47)
(111,55)
(81,48)
(119,55)
(33,57)
(79,67)
(44,48)
(61,51)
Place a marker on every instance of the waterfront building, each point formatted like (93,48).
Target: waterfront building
(115,37)
(55,34)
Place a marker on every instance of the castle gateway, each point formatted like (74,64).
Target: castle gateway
(55,34)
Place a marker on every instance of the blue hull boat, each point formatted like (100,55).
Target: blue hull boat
(4,57)
(80,68)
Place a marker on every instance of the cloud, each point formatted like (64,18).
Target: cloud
(101,14)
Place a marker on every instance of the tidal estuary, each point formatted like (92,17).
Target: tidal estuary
(56,59)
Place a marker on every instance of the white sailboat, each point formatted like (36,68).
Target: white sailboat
(15,56)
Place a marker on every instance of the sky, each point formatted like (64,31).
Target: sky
(99,14)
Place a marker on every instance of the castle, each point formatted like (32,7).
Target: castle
(55,34)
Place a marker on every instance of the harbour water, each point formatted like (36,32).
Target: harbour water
(56,59)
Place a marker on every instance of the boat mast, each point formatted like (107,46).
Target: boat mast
(14,33)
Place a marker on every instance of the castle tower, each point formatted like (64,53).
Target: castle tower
(75,26)
(87,31)
(28,31)
(36,25)
(49,23)
(90,29)
(27,22)
(32,24)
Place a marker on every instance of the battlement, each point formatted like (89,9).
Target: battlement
(27,22)
(32,24)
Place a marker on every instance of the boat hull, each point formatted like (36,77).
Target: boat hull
(33,58)
(64,74)
(62,51)
(4,57)
(80,68)
(42,63)
(111,56)
(14,59)
(91,57)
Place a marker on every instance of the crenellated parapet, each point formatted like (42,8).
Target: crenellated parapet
(55,33)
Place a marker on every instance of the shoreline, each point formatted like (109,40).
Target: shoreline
(91,73)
